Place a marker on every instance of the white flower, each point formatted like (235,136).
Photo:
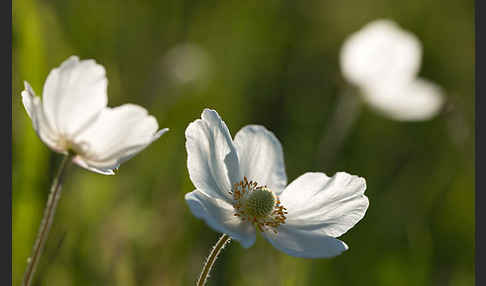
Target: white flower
(383,60)
(241,188)
(73,117)
(381,51)
(187,63)
(419,99)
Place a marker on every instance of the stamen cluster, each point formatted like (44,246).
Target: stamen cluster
(258,205)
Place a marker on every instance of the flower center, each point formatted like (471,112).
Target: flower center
(64,143)
(260,202)
(258,205)
(80,148)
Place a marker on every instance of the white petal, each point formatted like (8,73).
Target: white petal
(117,135)
(28,96)
(219,215)
(302,243)
(414,101)
(380,52)
(325,206)
(104,171)
(261,157)
(212,160)
(74,94)
(319,209)
(33,106)
(130,151)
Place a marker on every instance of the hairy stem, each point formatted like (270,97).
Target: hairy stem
(223,240)
(46,221)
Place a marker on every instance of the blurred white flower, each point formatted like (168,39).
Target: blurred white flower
(383,60)
(73,117)
(419,99)
(241,186)
(380,52)
(187,63)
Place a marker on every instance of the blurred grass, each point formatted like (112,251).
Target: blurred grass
(273,63)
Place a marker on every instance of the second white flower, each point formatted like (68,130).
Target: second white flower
(241,188)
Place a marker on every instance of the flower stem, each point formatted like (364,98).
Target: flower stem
(46,222)
(223,240)
(347,110)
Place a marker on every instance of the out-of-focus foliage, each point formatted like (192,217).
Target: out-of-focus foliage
(273,63)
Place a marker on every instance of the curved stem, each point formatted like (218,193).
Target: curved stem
(46,221)
(223,240)
(344,116)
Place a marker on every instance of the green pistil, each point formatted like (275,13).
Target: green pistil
(260,203)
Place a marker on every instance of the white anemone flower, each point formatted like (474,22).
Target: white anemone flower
(383,61)
(416,100)
(379,52)
(241,189)
(73,117)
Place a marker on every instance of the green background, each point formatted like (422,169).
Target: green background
(273,63)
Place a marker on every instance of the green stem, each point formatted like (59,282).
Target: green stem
(46,222)
(339,126)
(223,240)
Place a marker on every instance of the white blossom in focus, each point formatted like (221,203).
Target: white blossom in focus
(73,117)
(241,189)
(383,61)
